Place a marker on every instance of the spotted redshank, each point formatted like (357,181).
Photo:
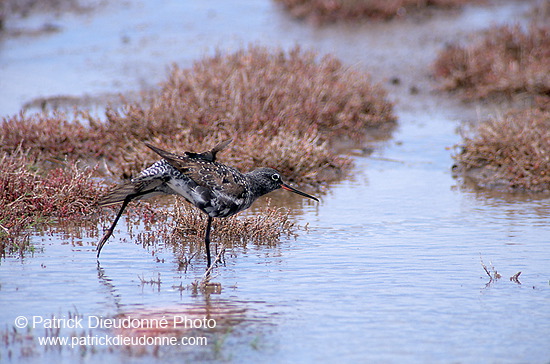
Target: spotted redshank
(216,189)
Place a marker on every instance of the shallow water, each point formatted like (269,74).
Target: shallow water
(390,267)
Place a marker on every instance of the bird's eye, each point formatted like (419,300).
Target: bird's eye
(275,177)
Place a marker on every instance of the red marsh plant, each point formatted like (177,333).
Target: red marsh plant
(29,196)
(507,60)
(512,151)
(184,231)
(284,109)
(268,228)
(329,11)
(262,99)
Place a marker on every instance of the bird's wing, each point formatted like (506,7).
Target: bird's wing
(218,178)
(218,148)
(211,154)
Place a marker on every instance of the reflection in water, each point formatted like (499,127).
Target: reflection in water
(198,329)
(108,285)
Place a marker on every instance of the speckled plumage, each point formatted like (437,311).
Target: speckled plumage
(216,189)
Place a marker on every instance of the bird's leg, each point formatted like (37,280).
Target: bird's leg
(125,203)
(109,231)
(207,241)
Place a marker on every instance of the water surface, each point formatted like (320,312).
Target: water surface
(389,270)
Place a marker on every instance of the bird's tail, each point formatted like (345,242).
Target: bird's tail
(118,194)
(137,191)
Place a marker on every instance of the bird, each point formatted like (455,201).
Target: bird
(214,188)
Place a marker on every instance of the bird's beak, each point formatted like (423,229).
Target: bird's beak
(291,189)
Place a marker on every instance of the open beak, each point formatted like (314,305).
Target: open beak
(291,189)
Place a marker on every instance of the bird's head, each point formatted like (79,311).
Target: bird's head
(270,180)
